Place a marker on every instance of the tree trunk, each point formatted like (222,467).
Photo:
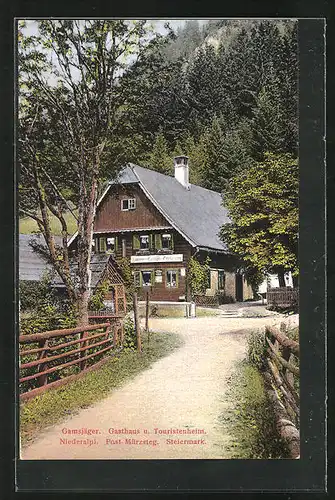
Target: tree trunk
(83,308)
(87,209)
(281,279)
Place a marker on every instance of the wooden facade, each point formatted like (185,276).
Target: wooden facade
(128,225)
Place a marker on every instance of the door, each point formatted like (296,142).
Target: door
(239,287)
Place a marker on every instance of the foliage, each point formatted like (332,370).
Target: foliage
(245,71)
(96,301)
(263,206)
(160,158)
(127,276)
(130,341)
(71,127)
(256,349)
(47,317)
(197,275)
(33,293)
(57,404)
(250,421)
(45,310)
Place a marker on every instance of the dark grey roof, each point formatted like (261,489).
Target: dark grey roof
(32,266)
(98,264)
(196,213)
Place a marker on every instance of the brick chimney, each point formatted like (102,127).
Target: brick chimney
(181,170)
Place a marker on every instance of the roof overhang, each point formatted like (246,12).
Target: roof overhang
(215,250)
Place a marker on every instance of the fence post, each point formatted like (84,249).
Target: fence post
(147,312)
(43,379)
(115,334)
(82,354)
(137,324)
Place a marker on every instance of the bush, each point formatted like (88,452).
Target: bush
(34,293)
(256,352)
(129,340)
(224,299)
(96,302)
(251,422)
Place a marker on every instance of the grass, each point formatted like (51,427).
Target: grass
(57,404)
(162,311)
(250,421)
(27,225)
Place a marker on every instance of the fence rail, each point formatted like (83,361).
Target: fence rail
(47,363)
(282,357)
(206,300)
(282,297)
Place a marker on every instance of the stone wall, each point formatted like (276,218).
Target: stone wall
(230,285)
(247,290)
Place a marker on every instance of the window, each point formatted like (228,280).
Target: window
(124,248)
(111,244)
(128,204)
(102,245)
(172,279)
(209,279)
(144,242)
(146,278)
(166,241)
(221,279)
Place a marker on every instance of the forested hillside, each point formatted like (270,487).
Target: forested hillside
(223,93)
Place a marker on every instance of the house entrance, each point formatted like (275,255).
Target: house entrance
(239,287)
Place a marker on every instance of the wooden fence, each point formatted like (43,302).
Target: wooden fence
(283,379)
(42,364)
(206,300)
(283,297)
(106,314)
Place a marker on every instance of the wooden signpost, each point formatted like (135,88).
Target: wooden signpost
(137,323)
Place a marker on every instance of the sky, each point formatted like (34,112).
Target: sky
(159,23)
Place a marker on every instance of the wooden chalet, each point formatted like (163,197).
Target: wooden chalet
(158,222)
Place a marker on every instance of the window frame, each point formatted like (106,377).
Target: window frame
(164,237)
(113,250)
(166,278)
(221,272)
(131,204)
(144,236)
(142,285)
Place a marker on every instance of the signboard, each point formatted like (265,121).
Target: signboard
(139,259)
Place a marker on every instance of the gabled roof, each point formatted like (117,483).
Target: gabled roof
(32,266)
(197,213)
(99,268)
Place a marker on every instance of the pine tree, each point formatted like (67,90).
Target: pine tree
(196,151)
(160,159)
(268,126)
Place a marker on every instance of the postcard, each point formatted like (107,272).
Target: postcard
(159,262)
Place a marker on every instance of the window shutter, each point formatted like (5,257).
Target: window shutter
(158,241)
(172,243)
(137,278)
(116,243)
(102,244)
(177,278)
(136,242)
(152,278)
(151,241)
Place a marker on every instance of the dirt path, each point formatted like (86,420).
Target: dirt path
(184,391)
